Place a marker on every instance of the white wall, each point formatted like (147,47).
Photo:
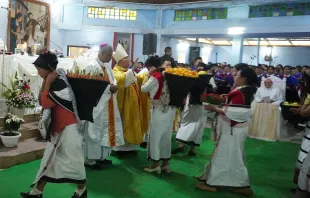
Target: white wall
(285,55)
(183,47)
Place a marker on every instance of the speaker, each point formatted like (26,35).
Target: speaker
(149,44)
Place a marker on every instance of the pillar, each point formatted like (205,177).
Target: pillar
(237,50)
(258,48)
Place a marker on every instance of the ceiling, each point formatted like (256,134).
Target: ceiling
(286,42)
(164,1)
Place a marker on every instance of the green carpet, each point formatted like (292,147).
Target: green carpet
(270,165)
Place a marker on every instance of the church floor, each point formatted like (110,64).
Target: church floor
(270,165)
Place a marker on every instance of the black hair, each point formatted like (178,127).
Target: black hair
(249,74)
(141,63)
(153,61)
(165,58)
(30,14)
(198,58)
(240,66)
(18,15)
(47,60)
(167,49)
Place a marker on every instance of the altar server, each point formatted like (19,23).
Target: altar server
(107,130)
(269,94)
(161,124)
(63,159)
(130,102)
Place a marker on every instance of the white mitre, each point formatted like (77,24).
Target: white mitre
(119,53)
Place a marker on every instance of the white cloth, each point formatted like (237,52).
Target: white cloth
(63,158)
(273,93)
(161,124)
(101,134)
(303,178)
(227,166)
(192,124)
(143,71)
(267,122)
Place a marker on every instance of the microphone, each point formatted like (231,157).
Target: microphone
(7,8)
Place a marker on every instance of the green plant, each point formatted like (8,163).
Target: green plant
(19,95)
(12,123)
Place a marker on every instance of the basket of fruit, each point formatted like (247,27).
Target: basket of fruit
(88,89)
(199,87)
(290,116)
(180,81)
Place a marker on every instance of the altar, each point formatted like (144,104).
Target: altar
(22,64)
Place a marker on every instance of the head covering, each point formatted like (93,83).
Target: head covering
(102,45)
(119,53)
(46,60)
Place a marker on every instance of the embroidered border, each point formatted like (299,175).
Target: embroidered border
(111,124)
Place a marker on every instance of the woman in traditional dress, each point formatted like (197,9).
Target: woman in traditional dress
(227,166)
(303,185)
(192,122)
(63,160)
(162,115)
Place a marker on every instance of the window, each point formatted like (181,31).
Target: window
(274,10)
(76,51)
(200,14)
(111,13)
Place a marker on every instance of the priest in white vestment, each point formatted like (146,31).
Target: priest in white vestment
(269,94)
(267,120)
(106,131)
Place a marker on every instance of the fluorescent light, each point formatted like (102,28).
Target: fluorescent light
(191,39)
(262,43)
(279,43)
(221,42)
(236,30)
(301,43)
(202,40)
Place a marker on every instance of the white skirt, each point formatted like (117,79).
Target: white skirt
(192,125)
(160,134)
(63,159)
(93,150)
(227,166)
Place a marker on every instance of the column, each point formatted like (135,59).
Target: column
(159,22)
(237,50)
(258,48)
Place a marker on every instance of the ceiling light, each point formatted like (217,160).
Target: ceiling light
(191,39)
(301,43)
(236,30)
(221,42)
(279,43)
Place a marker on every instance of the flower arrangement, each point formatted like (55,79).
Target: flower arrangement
(182,72)
(213,99)
(12,123)
(20,94)
(81,74)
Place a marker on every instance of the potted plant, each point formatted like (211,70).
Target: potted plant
(11,136)
(19,96)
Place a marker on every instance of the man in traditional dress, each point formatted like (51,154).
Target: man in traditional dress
(130,102)
(107,130)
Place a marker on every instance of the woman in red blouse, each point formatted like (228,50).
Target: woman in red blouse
(63,160)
